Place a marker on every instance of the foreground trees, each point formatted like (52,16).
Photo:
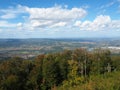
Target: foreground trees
(66,69)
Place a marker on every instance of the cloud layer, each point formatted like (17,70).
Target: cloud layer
(101,22)
(54,17)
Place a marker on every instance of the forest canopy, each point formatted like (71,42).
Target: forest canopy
(68,70)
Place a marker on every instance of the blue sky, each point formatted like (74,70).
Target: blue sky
(59,18)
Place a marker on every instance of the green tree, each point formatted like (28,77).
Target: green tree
(35,78)
(51,73)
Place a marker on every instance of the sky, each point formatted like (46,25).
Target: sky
(59,18)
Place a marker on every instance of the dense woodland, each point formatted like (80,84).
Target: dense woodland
(68,70)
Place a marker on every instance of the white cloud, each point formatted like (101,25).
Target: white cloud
(0,30)
(12,12)
(58,13)
(102,22)
(19,24)
(59,24)
(54,16)
(6,24)
(57,16)
(107,5)
(8,16)
(41,18)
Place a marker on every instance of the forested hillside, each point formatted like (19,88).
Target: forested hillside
(68,70)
